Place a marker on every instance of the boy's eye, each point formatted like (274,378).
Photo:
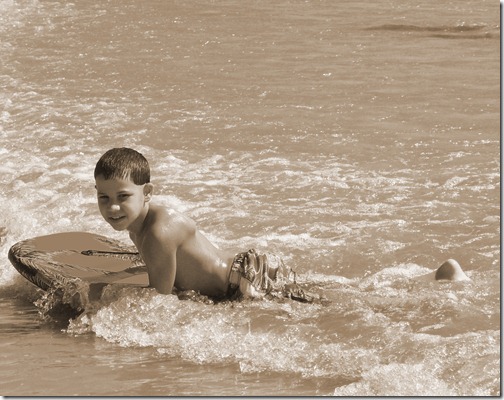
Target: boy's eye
(124,196)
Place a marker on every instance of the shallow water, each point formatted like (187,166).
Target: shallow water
(359,141)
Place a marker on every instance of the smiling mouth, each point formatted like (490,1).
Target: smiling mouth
(115,219)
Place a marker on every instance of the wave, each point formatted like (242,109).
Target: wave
(405,321)
(416,28)
(443,31)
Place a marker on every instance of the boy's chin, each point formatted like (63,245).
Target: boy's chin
(118,227)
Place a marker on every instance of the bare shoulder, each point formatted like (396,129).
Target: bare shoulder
(168,224)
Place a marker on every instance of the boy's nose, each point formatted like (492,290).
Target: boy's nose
(115,207)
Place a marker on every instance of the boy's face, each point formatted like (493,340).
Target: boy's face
(122,203)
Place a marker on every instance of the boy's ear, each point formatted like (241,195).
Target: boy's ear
(148,189)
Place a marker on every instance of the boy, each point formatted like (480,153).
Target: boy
(176,254)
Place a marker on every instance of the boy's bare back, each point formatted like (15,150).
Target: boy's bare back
(178,255)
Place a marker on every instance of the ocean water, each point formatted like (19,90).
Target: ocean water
(358,140)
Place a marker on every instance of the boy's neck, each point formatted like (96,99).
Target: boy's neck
(136,229)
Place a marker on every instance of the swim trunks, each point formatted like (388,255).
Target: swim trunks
(254,275)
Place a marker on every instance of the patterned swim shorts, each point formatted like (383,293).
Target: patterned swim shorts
(255,275)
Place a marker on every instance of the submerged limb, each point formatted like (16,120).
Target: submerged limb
(451,270)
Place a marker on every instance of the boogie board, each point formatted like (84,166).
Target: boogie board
(54,260)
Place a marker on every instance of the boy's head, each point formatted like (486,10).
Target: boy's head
(123,163)
(122,183)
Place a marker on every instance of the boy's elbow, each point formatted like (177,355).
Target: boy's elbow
(163,289)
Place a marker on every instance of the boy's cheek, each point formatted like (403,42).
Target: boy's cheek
(102,211)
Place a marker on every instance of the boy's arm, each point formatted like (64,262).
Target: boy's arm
(160,256)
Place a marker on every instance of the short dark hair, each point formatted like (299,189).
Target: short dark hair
(123,163)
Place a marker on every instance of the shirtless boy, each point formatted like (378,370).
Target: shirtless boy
(176,254)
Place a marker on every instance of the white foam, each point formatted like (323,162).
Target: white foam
(397,380)
(210,334)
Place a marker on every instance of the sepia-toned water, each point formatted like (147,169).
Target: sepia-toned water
(358,140)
